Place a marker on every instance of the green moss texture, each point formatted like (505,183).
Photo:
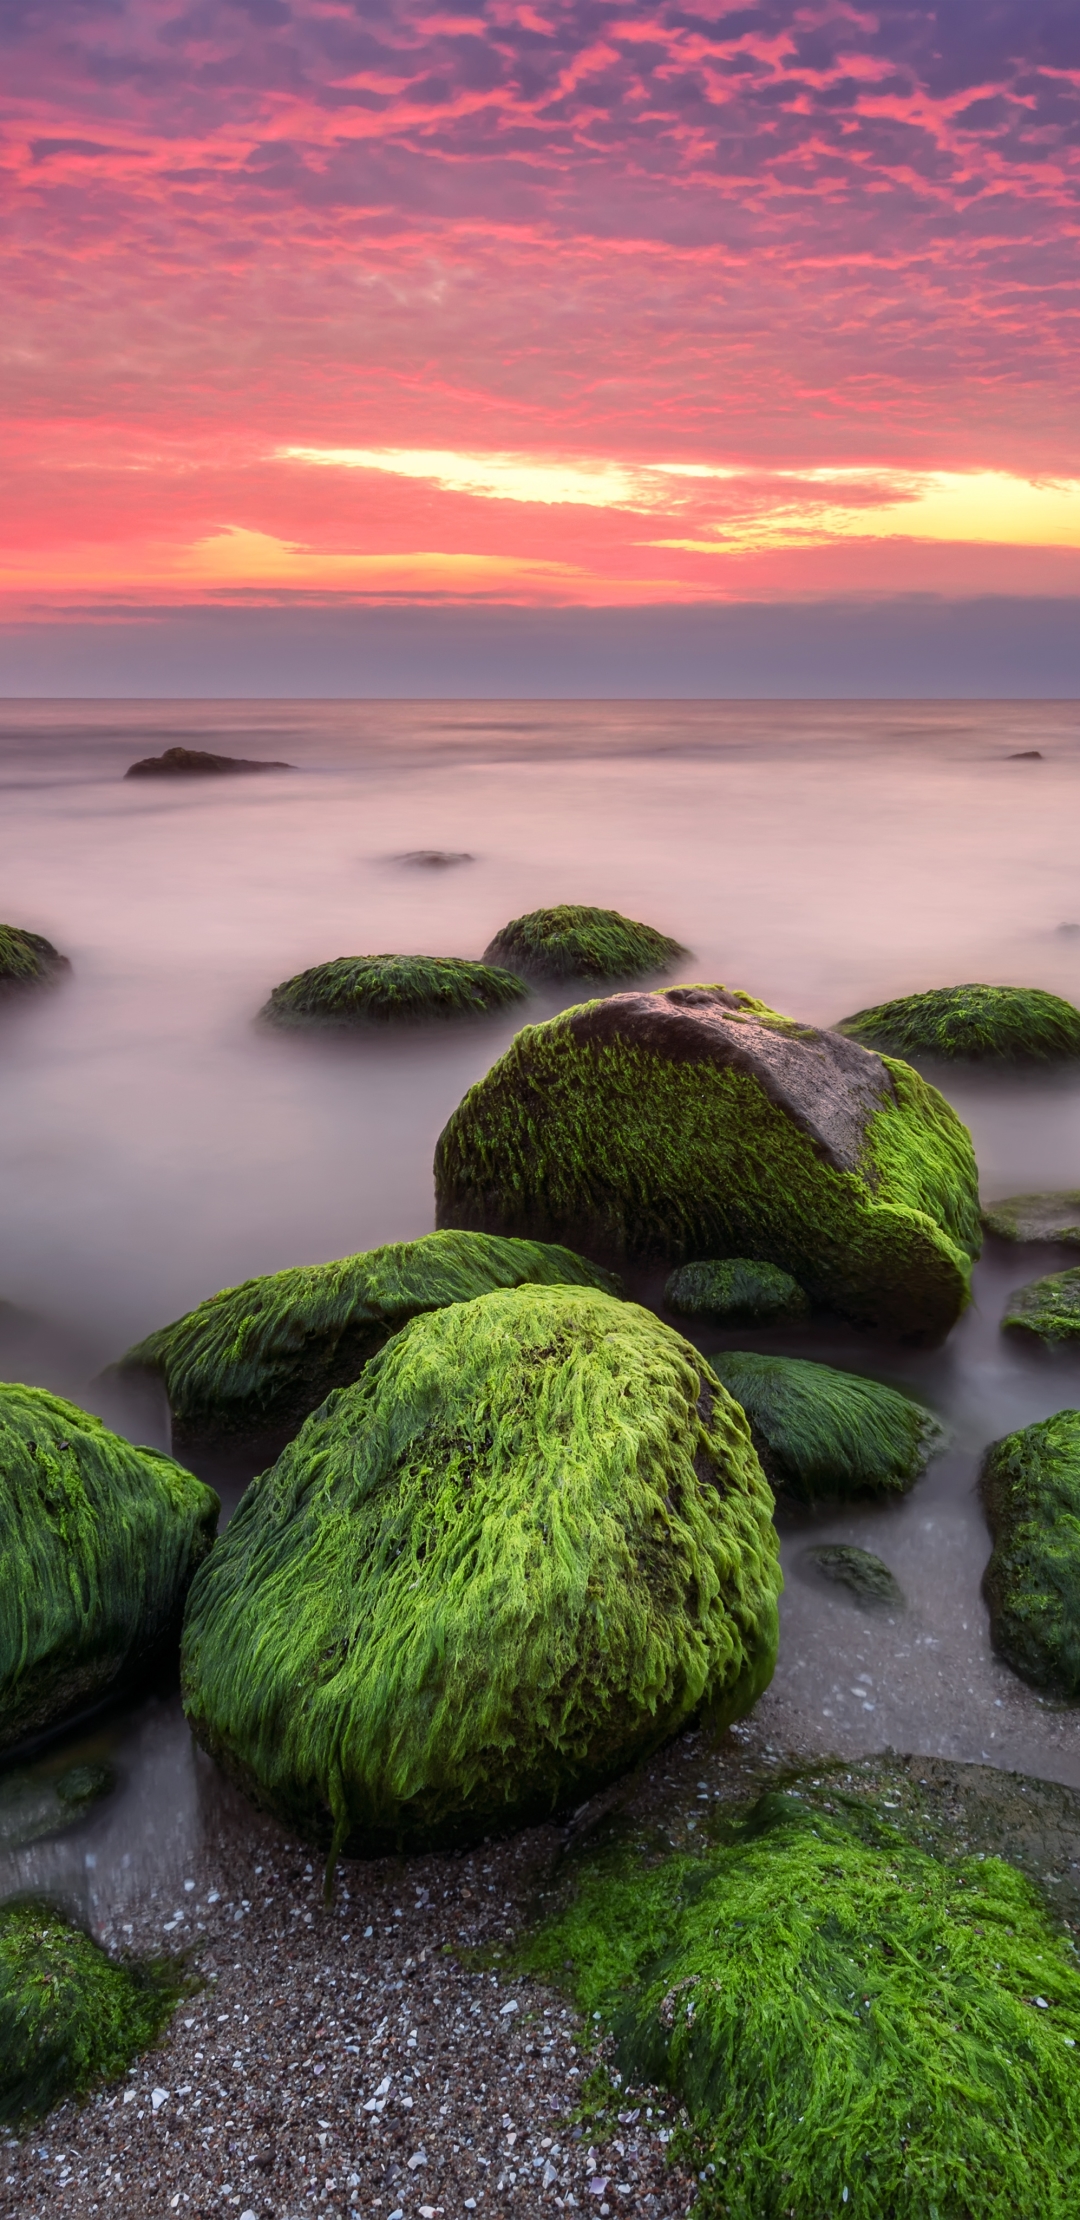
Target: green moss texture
(1053,1217)
(819,1432)
(27,960)
(860,1572)
(575,942)
(978,1024)
(587,1132)
(264,1354)
(391,990)
(69,2016)
(527,1545)
(1048,1308)
(98,1542)
(852,2024)
(735,1291)
(1031,1490)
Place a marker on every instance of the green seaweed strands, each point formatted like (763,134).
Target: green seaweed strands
(852,2024)
(978,1024)
(524,1548)
(575,942)
(695,1122)
(28,960)
(735,1290)
(70,2017)
(260,1357)
(1048,1308)
(391,990)
(98,1542)
(1031,1491)
(820,1432)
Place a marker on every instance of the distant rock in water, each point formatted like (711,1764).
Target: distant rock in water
(196,763)
(1026,755)
(820,1432)
(575,942)
(435,859)
(391,990)
(733,1290)
(1053,1217)
(1031,1491)
(976,1024)
(1070,929)
(28,960)
(1048,1308)
(867,1578)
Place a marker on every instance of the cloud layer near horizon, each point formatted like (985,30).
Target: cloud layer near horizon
(386,299)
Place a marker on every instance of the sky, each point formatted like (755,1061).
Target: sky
(319,304)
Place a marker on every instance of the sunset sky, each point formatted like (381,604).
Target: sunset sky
(554,304)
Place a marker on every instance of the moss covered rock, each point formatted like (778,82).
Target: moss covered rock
(1048,1308)
(574,942)
(252,1362)
(695,1121)
(98,1542)
(733,1290)
(860,1572)
(1052,1217)
(819,1432)
(391,990)
(69,2015)
(28,960)
(852,2024)
(527,1545)
(1005,1025)
(1031,1490)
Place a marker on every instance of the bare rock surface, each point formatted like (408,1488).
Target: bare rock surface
(186,763)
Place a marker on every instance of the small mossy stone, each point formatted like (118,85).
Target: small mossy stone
(852,2024)
(259,1358)
(575,942)
(735,1290)
(868,1579)
(98,1542)
(820,1432)
(391,990)
(1031,1490)
(1048,1308)
(37,1801)
(975,1024)
(70,2016)
(529,1544)
(28,960)
(1052,1217)
(695,1122)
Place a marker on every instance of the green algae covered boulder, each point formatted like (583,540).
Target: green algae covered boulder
(864,1576)
(391,990)
(820,1432)
(28,960)
(575,942)
(98,1542)
(733,1290)
(250,1364)
(853,2024)
(69,2015)
(1051,1217)
(695,1122)
(1003,1025)
(1048,1308)
(525,1547)
(1031,1491)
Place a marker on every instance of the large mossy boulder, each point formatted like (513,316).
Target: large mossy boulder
(1049,1309)
(1031,1491)
(696,1122)
(247,1366)
(98,1542)
(820,1432)
(575,942)
(69,2015)
(391,990)
(853,2024)
(28,960)
(522,1550)
(975,1024)
(1049,1217)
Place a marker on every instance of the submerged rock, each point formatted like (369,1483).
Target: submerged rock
(575,942)
(186,763)
(69,2015)
(819,1432)
(734,1290)
(1048,1308)
(38,1803)
(1031,1490)
(389,990)
(527,1545)
(695,1121)
(978,1024)
(435,859)
(868,1579)
(28,960)
(98,1542)
(256,1359)
(1036,1218)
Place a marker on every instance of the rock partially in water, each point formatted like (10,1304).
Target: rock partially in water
(70,2016)
(391,990)
(1053,1217)
(1031,1490)
(734,1290)
(98,1543)
(1026,755)
(1002,1025)
(28,960)
(251,1363)
(1048,1308)
(575,942)
(696,1122)
(197,763)
(820,1432)
(868,1579)
(529,1544)
(39,1802)
(435,859)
